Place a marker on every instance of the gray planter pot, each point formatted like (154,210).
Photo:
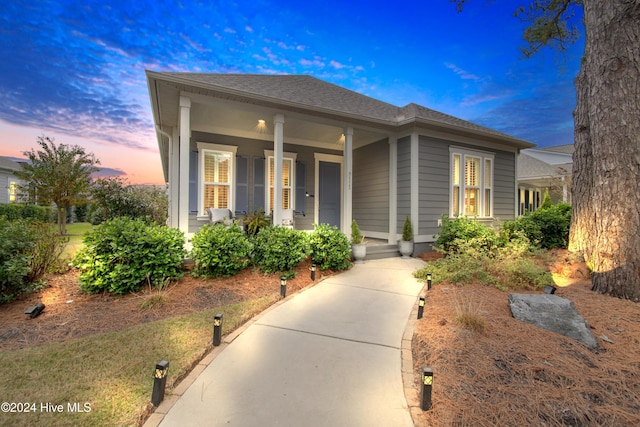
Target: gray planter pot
(359,251)
(405,248)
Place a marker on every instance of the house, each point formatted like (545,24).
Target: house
(545,169)
(9,183)
(297,144)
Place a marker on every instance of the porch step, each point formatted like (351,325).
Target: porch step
(382,251)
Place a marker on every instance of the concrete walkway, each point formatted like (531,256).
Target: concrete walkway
(328,356)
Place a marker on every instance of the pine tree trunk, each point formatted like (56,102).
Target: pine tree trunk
(606,175)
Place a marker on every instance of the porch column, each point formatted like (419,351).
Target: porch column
(347,196)
(393,190)
(185,138)
(174,178)
(278,141)
(565,190)
(415,185)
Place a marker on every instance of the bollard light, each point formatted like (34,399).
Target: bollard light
(283,286)
(549,289)
(420,307)
(34,310)
(425,390)
(159,382)
(217,329)
(313,272)
(429,281)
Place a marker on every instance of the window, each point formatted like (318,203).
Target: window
(288,180)
(216,176)
(13,191)
(471,183)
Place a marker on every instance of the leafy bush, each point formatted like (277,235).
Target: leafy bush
(28,249)
(547,228)
(255,221)
(122,255)
(16,211)
(356,235)
(407,230)
(330,249)
(461,232)
(219,250)
(279,249)
(113,197)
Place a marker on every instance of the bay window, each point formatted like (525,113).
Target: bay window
(471,183)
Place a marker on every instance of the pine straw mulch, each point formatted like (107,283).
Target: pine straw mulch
(70,313)
(515,374)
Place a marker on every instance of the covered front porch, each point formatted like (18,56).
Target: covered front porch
(243,157)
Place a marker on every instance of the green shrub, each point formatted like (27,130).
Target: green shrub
(254,221)
(114,197)
(279,249)
(16,211)
(461,232)
(356,235)
(220,251)
(28,250)
(407,230)
(547,228)
(330,249)
(122,255)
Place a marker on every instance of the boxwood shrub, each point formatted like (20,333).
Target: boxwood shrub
(122,255)
(279,249)
(330,249)
(220,251)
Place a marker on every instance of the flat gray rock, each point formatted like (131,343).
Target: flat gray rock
(552,313)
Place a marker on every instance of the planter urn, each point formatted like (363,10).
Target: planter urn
(406,248)
(359,251)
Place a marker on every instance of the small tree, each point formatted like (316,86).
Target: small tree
(58,174)
(407,230)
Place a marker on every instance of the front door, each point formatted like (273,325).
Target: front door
(329,193)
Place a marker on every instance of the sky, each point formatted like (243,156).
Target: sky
(75,71)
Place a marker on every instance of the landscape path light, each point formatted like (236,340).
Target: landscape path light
(425,390)
(283,286)
(159,382)
(217,329)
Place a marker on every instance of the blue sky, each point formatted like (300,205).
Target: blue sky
(75,70)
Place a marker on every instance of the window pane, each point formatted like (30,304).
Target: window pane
(487,173)
(286,173)
(216,167)
(456,201)
(472,171)
(456,169)
(471,201)
(286,198)
(216,196)
(487,202)
(272,172)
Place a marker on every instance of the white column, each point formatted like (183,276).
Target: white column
(185,139)
(278,141)
(347,187)
(174,178)
(415,184)
(393,190)
(565,190)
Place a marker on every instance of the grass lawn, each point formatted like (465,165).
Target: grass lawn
(109,376)
(75,232)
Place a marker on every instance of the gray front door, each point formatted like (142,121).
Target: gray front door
(329,188)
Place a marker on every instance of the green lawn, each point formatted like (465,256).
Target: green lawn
(109,376)
(75,232)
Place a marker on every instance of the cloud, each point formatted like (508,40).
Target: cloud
(465,75)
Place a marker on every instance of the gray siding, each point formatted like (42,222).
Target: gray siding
(404,181)
(371,186)
(254,149)
(5,177)
(504,172)
(433,182)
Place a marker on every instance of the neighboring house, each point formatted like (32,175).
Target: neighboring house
(295,143)
(544,169)
(8,181)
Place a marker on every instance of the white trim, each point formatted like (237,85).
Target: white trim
(464,153)
(330,158)
(268,154)
(347,188)
(184,150)
(415,183)
(393,189)
(216,148)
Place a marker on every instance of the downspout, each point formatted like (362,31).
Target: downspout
(165,168)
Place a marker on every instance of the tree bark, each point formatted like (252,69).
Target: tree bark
(606,174)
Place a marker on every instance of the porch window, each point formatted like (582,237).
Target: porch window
(471,183)
(288,180)
(217,164)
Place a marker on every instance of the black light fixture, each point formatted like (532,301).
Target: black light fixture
(217,329)
(550,289)
(159,382)
(429,281)
(313,272)
(283,286)
(425,390)
(420,307)
(34,310)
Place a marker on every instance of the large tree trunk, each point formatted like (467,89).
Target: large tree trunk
(606,175)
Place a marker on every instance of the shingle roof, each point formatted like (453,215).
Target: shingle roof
(529,167)
(309,92)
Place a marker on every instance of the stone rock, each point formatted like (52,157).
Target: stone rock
(552,313)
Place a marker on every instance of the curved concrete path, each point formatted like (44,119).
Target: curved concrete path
(328,356)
